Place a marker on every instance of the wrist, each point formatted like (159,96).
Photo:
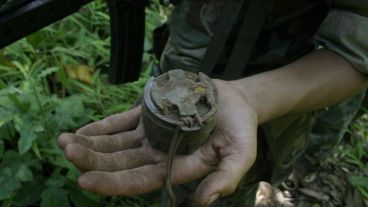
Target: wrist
(253,96)
(235,98)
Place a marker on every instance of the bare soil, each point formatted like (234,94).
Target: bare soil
(326,186)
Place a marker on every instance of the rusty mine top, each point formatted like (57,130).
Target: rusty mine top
(184,96)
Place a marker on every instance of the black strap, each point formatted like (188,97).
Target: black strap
(252,25)
(256,13)
(23,17)
(8,5)
(225,24)
(127,19)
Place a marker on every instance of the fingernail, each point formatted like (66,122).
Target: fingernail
(68,150)
(63,140)
(213,198)
(84,181)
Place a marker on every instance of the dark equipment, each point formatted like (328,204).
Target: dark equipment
(19,18)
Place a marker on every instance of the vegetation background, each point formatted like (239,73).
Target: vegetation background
(53,82)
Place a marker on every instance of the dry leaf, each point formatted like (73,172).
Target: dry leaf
(79,72)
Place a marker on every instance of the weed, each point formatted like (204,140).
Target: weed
(52,82)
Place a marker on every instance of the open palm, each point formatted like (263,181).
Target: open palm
(116,158)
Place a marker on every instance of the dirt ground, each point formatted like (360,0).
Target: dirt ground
(327,185)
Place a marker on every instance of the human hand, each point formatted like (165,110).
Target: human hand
(116,158)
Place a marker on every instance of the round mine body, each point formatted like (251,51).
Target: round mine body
(183,99)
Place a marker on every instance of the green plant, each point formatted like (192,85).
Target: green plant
(356,153)
(52,82)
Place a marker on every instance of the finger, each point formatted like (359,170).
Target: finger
(146,178)
(128,182)
(191,167)
(86,159)
(113,124)
(225,179)
(104,143)
(187,168)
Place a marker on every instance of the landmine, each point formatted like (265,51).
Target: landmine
(179,111)
(179,98)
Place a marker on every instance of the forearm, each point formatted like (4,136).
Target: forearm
(319,79)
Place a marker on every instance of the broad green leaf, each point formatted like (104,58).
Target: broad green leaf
(11,157)
(80,199)
(7,132)
(364,192)
(56,181)
(30,194)
(8,184)
(54,197)
(20,166)
(6,115)
(24,173)
(70,109)
(359,181)
(22,106)
(28,130)
(73,173)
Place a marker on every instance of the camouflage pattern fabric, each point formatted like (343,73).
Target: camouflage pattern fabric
(330,126)
(345,33)
(282,40)
(341,28)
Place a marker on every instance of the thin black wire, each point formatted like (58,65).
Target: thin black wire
(177,137)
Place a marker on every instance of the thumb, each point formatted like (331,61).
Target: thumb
(225,179)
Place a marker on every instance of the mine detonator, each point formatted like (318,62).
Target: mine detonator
(19,18)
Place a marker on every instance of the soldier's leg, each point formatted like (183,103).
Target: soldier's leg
(329,127)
